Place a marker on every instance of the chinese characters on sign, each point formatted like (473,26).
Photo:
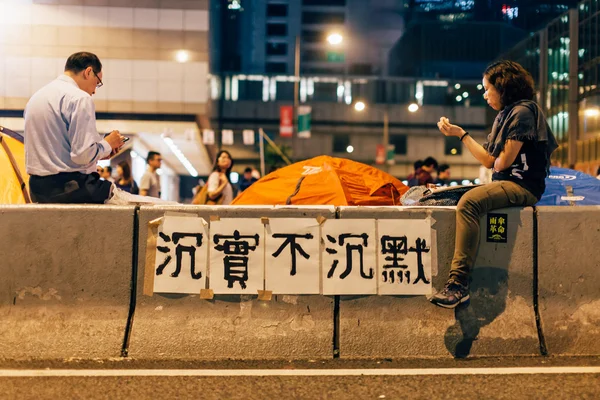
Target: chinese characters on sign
(497,228)
(349,257)
(181,255)
(293,256)
(404,256)
(237,256)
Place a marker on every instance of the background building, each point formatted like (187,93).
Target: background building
(253,102)
(564,57)
(270,29)
(155,72)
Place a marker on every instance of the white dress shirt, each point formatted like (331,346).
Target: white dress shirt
(60,130)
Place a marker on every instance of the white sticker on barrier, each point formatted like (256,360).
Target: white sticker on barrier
(237,256)
(292,256)
(181,255)
(404,256)
(349,257)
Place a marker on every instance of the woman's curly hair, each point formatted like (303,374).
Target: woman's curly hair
(511,80)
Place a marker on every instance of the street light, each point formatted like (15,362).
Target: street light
(359,106)
(592,112)
(413,107)
(335,39)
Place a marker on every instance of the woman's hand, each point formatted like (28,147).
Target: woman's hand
(448,129)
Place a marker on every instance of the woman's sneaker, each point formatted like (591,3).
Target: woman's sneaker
(452,295)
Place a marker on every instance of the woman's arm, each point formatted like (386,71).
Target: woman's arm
(474,148)
(508,155)
(216,185)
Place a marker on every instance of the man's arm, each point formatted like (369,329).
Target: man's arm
(86,144)
(145,184)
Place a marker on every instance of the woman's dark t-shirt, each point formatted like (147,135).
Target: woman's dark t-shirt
(529,167)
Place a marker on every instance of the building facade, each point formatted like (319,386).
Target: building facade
(272,28)
(564,58)
(337,129)
(155,71)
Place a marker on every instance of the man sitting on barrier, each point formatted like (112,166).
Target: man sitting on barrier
(62,144)
(518,150)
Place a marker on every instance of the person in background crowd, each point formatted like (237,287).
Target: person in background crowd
(219,185)
(107,174)
(125,180)
(443,176)
(62,143)
(423,174)
(518,149)
(247,179)
(99,170)
(412,178)
(598,173)
(150,183)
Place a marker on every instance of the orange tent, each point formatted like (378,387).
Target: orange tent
(13,178)
(325,180)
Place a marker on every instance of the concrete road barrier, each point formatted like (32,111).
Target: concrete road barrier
(569,279)
(230,327)
(499,321)
(65,280)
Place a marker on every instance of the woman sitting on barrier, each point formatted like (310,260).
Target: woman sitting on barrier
(218,189)
(518,151)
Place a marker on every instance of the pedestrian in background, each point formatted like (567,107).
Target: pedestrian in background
(412,178)
(518,149)
(107,174)
(219,186)
(443,175)
(125,180)
(62,143)
(247,179)
(150,183)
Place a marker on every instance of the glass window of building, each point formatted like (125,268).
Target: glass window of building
(322,18)
(276,30)
(452,146)
(276,68)
(340,143)
(336,3)
(277,10)
(276,49)
(399,142)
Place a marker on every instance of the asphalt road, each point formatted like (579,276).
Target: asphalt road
(506,378)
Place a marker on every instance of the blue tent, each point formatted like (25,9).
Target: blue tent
(565,187)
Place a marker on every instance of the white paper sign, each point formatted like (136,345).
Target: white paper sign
(237,256)
(349,256)
(248,135)
(292,256)
(404,256)
(227,136)
(181,255)
(208,136)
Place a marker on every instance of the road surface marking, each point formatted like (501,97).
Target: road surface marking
(16,373)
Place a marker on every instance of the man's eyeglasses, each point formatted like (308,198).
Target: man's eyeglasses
(100,84)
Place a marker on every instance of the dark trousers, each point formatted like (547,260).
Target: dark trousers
(471,207)
(69,187)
